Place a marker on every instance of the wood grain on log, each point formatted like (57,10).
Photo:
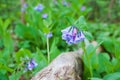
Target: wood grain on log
(67,66)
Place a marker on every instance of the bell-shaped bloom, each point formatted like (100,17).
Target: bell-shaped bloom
(39,7)
(72,35)
(31,64)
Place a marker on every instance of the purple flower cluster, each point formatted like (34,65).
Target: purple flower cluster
(72,35)
(44,16)
(83,8)
(31,64)
(49,35)
(39,7)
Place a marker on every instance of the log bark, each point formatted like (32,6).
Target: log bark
(67,66)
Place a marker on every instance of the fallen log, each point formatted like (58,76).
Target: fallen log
(67,66)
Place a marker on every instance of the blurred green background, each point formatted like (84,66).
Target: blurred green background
(22,35)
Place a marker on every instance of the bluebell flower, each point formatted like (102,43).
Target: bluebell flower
(24,7)
(72,35)
(31,64)
(49,35)
(83,8)
(44,16)
(65,3)
(39,7)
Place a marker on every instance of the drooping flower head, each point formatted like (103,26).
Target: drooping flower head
(39,7)
(31,64)
(44,16)
(72,35)
(49,35)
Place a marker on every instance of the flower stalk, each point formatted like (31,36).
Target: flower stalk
(48,51)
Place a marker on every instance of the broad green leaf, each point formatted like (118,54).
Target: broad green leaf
(104,63)
(24,44)
(23,54)
(46,30)
(3,76)
(81,23)
(1,43)
(1,27)
(95,78)
(93,49)
(6,24)
(47,23)
(15,75)
(8,43)
(69,19)
(1,22)
(2,61)
(88,35)
(117,50)
(54,51)
(41,55)
(112,76)
(41,59)
(94,61)
(109,45)
(26,31)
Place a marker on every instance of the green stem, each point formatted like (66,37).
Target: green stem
(48,52)
(88,59)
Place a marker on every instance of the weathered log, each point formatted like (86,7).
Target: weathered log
(67,66)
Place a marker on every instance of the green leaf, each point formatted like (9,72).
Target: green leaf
(24,44)
(81,23)
(69,19)
(54,51)
(41,59)
(1,27)
(46,30)
(88,35)
(109,45)
(41,56)
(26,31)
(93,49)
(117,50)
(8,43)
(47,23)
(2,61)
(112,76)
(104,60)
(94,61)
(90,49)
(95,78)
(15,76)
(1,22)
(23,54)
(3,77)
(6,24)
